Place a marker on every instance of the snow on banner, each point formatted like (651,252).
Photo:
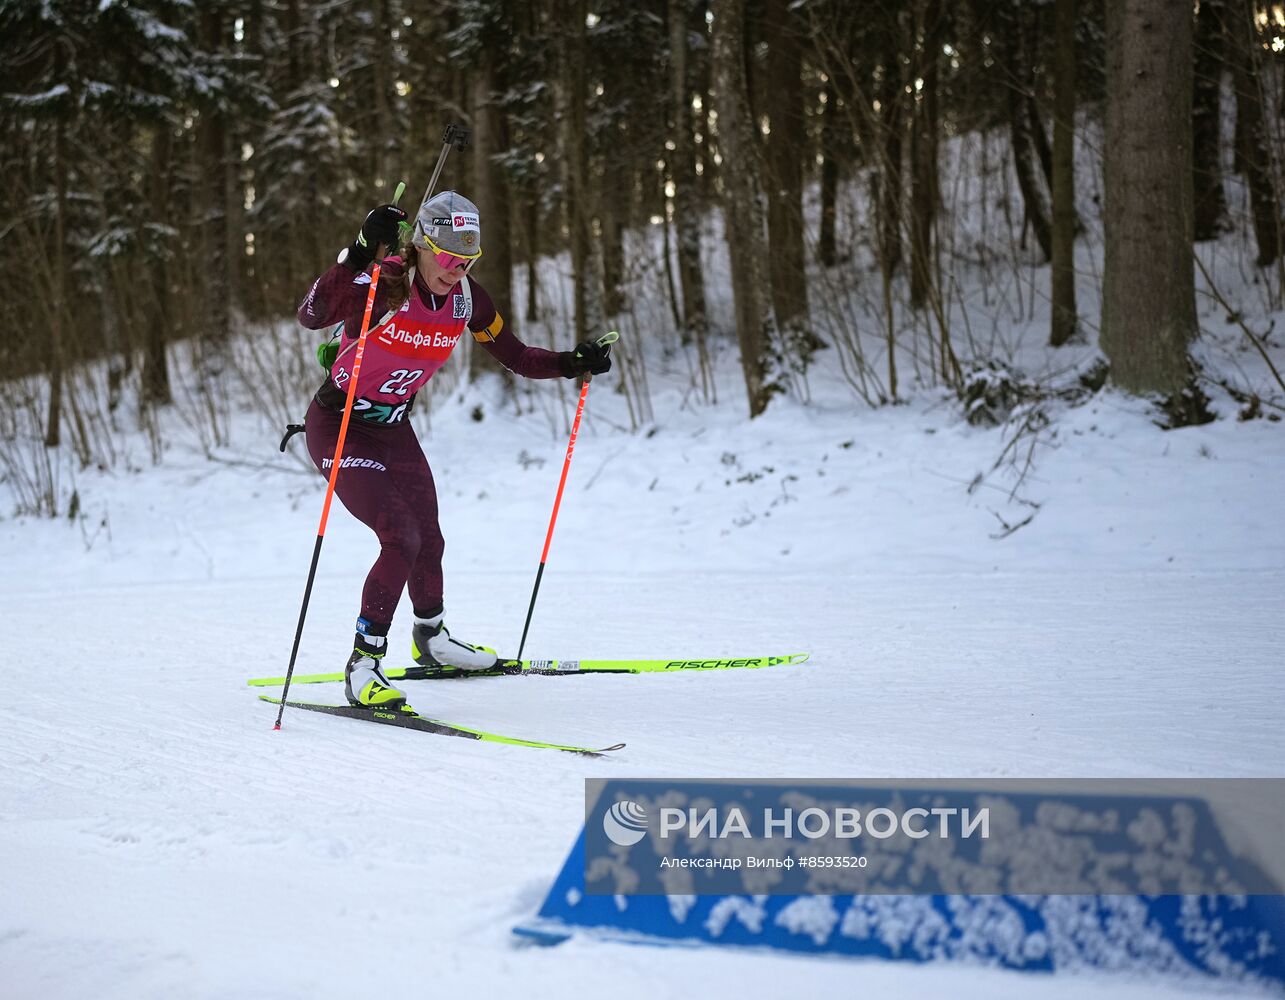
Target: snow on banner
(1165,878)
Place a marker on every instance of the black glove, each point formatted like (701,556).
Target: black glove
(588,358)
(381,226)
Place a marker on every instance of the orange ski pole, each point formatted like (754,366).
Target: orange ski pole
(603,341)
(334,474)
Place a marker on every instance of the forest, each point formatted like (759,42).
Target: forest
(176,174)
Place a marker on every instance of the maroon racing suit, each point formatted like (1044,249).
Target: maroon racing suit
(384,479)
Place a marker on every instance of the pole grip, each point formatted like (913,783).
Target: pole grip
(456,136)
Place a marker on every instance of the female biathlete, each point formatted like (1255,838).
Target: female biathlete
(426,301)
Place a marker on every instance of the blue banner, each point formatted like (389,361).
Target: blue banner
(1231,938)
(672,837)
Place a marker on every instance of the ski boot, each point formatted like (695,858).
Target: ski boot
(431,645)
(364,682)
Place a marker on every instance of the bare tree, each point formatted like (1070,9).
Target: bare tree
(156,370)
(1023,122)
(1206,120)
(687,208)
(785,150)
(382,86)
(923,152)
(492,187)
(891,100)
(829,173)
(1253,154)
(212,149)
(1064,217)
(1149,299)
(576,158)
(743,212)
(57,363)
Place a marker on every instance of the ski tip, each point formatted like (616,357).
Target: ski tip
(600,754)
(298,679)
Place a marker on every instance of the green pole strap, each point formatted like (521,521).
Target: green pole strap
(404,229)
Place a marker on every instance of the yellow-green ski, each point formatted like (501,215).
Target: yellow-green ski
(405,718)
(556,668)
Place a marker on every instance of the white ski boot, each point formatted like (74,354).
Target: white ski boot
(431,645)
(364,682)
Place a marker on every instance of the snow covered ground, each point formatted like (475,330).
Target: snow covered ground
(158,839)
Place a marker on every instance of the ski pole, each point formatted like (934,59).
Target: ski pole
(455,135)
(334,471)
(607,338)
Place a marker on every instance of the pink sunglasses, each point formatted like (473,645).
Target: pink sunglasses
(450,261)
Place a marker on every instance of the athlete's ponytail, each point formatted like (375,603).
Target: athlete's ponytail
(395,277)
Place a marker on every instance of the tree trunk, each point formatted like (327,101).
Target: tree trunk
(829,174)
(1039,138)
(923,157)
(104,284)
(687,209)
(701,73)
(1064,218)
(891,99)
(614,194)
(295,56)
(743,213)
(533,253)
(236,129)
(53,421)
(1254,154)
(234,220)
(386,129)
(211,167)
(1206,122)
(613,206)
(786,140)
(305,59)
(1149,301)
(255,296)
(575,158)
(118,356)
(490,137)
(156,371)
(1022,137)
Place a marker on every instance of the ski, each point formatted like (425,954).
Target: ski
(551,668)
(407,719)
